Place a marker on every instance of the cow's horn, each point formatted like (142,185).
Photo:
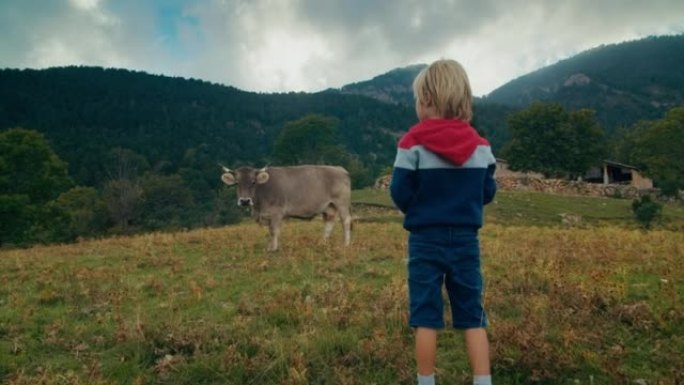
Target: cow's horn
(225,169)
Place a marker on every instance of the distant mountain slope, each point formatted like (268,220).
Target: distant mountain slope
(394,86)
(623,82)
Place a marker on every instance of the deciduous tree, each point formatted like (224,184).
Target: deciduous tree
(86,210)
(545,138)
(166,202)
(31,175)
(309,140)
(657,147)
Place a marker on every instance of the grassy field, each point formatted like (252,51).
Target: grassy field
(521,208)
(594,302)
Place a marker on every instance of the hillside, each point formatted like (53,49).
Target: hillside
(600,305)
(86,111)
(623,83)
(153,142)
(529,208)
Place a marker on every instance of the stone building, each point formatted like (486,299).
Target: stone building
(611,172)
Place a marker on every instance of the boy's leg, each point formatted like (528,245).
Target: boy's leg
(426,350)
(477,346)
(464,283)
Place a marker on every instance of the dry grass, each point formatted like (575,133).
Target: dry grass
(599,305)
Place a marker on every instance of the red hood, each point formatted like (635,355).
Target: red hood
(455,140)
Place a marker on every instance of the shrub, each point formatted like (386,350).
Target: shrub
(646,210)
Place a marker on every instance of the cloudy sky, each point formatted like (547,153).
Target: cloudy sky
(310,45)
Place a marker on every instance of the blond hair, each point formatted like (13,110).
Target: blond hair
(445,84)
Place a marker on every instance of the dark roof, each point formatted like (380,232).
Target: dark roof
(618,164)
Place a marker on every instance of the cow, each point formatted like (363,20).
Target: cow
(277,193)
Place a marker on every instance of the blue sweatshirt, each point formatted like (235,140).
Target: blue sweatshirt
(443,175)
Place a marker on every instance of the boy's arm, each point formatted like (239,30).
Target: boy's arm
(490,184)
(402,186)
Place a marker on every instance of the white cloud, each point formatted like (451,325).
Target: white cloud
(57,34)
(284,45)
(84,4)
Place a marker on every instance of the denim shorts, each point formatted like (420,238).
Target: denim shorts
(445,257)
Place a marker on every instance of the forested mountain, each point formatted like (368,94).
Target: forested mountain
(142,150)
(85,112)
(623,83)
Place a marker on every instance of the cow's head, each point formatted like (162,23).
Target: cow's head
(246,179)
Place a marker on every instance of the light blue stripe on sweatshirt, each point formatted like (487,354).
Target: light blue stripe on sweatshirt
(482,157)
(422,158)
(406,159)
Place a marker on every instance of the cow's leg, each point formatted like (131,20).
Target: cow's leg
(345,217)
(274,230)
(329,217)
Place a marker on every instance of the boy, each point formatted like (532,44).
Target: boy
(443,176)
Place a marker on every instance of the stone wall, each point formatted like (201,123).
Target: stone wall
(569,187)
(555,186)
(383,182)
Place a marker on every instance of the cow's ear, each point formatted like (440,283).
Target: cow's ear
(228,179)
(262,177)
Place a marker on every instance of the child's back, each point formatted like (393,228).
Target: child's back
(443,176)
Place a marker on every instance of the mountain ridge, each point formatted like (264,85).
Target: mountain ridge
(623,82)
(86,110)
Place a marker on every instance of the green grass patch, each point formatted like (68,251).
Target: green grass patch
(523,208)
(576,304)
